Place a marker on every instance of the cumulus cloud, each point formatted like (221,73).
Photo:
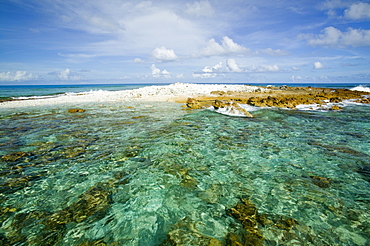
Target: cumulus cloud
(17,76)
(66,74)
(267,68)
(318,65)
(296,78)
(333,36)
(209,72)
(163,54)
(215,68)
(358,11)
(227,47)
(232,66)
(157,73)
(272,52)
(202,8)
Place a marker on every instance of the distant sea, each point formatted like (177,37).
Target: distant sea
(151,173)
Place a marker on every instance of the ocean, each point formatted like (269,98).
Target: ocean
(152,173)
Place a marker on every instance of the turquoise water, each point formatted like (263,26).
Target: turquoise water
(139,173)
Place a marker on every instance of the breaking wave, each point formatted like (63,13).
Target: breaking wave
(361,88)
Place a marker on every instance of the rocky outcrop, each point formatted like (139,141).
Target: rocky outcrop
(363,100)
(231,108)
(283,97)
(76,110)
(335,107)
(194,103)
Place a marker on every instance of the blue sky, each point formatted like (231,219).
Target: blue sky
(124,41)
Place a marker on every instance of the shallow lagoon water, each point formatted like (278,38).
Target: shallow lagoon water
(139,173)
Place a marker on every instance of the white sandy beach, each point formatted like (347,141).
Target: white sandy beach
(149,93)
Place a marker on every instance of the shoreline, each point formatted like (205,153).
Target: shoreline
(219,96)
(177,92)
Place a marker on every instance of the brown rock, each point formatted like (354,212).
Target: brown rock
(335,107)
(232,105)
(220,104)
(14,156)
(322,182)
(363,100)
(76,110)
(193,103)
(185,232)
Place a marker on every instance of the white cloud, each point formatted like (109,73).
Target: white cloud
(67,74)
(277,52)
(165,73)
(318,65)
(17,76)
(163,54)
(358,11)
(214,69)
(263,68)
(333,36)
(198,9)
(209,72)
(296,78)
(232,66)
(138,60)
(227,47)
(268,68)
(131,27)
(64,74)
(204,75)
(157,73)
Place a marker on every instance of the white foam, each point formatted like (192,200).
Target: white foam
(327,106)
(315,107)
(250,108)
(361,88)
(34,97)
(230,111)
(233,111)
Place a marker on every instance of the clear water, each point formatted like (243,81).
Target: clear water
(135,173)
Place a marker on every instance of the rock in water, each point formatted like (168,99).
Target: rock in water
(76,110)
(230,108)
(193,103)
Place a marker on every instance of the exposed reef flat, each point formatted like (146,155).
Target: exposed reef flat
(280,97)
(224,98)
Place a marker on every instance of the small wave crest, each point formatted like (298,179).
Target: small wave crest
(361,88)
(67,94)
(36,97)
